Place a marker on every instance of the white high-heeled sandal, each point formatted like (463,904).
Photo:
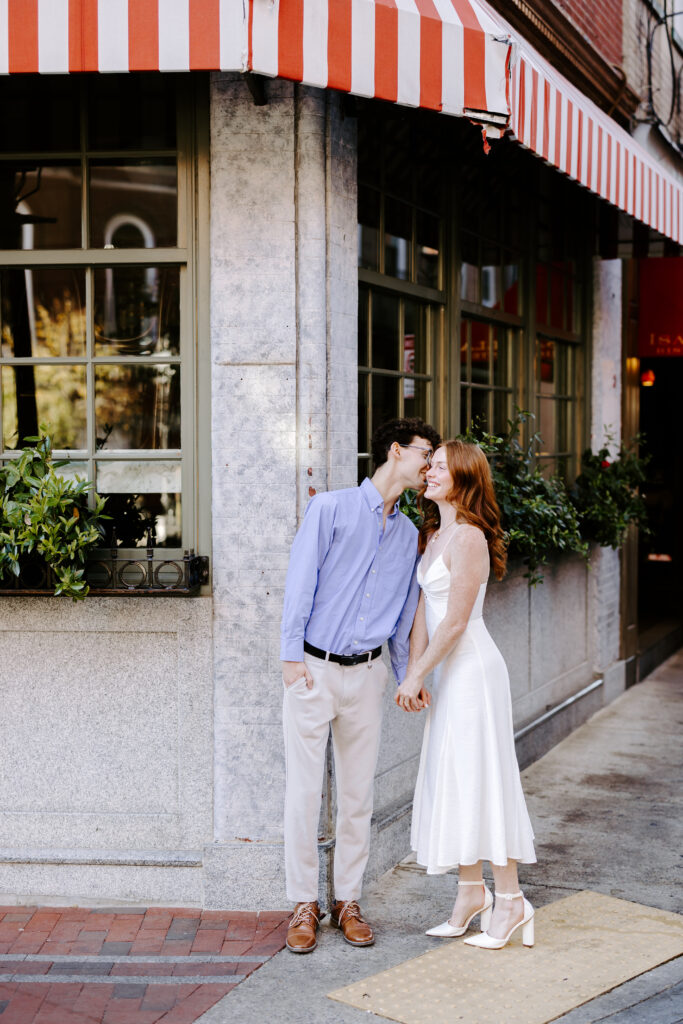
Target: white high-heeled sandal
(447,931)
(486,941)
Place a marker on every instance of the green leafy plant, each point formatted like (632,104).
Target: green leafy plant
(45,515)
(605,494)
(408,504)
(537,515)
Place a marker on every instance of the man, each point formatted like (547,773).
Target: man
(350,587)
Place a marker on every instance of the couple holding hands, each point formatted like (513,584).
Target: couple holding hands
(360,575)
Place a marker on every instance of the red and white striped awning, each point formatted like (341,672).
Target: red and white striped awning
(557,122)
(454,56)
(442,54)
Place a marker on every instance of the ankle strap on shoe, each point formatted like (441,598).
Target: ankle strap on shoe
(509,895)
(480,882)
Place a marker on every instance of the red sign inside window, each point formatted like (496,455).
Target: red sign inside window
(660,321)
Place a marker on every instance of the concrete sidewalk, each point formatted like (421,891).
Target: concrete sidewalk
(607,806)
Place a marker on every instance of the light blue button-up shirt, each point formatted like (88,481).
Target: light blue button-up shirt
(351,584)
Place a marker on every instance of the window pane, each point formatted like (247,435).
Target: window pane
(43,204)
(546,366)
(42,312)
(137,311)
(490,277)
(416,398)
(137,406)
(385,346)
(502,375)
(469,285)
(368,228)
(131,112)
(464,349)
(481,352)
(547,425)
(133,203)
(511,288)
(480,408)
(415,338)
(502,411)
(39,115)
(398,232)
(53,395)
(384,399)
(428,246)
(141,495)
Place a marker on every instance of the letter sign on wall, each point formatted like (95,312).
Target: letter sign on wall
(660,320)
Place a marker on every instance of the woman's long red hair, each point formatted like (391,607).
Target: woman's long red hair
(474,499)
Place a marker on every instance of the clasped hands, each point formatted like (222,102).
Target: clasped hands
(412,694)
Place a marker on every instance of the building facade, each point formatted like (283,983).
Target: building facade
(213,286)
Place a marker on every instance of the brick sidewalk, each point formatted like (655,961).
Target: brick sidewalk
(127,966)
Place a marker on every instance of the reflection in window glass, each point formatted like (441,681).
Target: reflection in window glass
(368,228)
(415,346)
(133,203)
(511,288)
(53,395)
(480,408)
(43,204)
(141,496)
(480,352)
(398,221)
(137,406)
(137,311)
(42,312)
(417,402)
(428,246)
(490,294)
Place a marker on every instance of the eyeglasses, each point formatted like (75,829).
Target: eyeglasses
(426,452)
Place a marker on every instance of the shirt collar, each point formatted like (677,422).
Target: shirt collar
(373,497)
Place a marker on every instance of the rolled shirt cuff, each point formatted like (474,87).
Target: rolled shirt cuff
(292,650)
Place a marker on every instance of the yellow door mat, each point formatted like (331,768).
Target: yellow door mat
(586,944)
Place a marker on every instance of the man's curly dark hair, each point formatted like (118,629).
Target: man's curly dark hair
(403,431)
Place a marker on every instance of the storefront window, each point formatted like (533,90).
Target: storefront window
(396,343)
(94,334)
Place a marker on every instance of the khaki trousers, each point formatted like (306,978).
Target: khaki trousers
(347,699)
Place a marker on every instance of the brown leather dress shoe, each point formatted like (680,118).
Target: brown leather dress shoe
(302,928)
(347,916)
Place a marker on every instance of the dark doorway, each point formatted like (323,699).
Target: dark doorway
(660,591)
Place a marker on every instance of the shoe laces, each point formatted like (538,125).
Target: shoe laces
(350,909)
(303,914)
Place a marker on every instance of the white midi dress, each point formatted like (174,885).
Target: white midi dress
(469,804)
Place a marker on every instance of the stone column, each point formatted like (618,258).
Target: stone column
(606,419)
(283,325)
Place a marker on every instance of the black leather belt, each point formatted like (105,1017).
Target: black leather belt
(342,659)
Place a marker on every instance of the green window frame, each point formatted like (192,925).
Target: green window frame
(123,275)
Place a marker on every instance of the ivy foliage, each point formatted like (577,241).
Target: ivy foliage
(46,515)
(540,516)
(605,494)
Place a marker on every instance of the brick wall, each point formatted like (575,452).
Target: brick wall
(600,23)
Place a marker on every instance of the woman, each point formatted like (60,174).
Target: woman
(469,804)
